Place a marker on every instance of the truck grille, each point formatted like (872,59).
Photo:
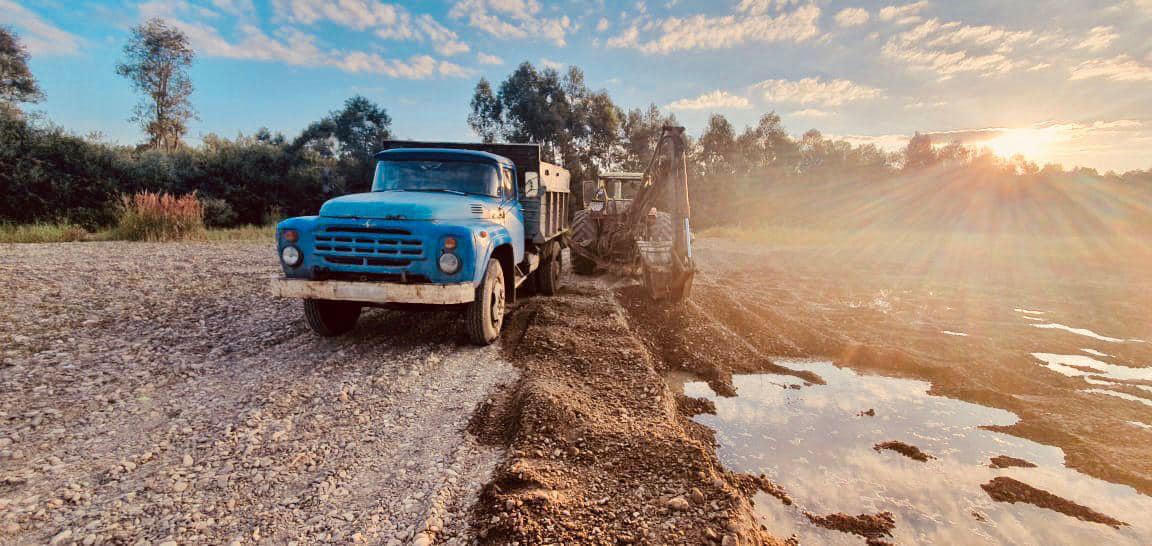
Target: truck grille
(368,246)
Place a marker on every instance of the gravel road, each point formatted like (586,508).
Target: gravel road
(154,393)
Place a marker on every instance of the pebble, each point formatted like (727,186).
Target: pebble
(61,537)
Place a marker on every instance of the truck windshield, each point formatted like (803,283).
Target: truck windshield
(457,176)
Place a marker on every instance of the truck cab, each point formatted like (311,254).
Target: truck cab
(445,224)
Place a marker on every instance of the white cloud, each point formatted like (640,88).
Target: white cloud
(602,25)
(388,21)
(554,65)
(851,17)
(1099,38)
(355,14)
(705,32)
(760,7)
(291,46)
(901,12)
(512,19)
(1121,68)
(922,105)
(484,58)
(811,113)
(712,101)
(242,8)
(950,48)
(38,35)
(814,91)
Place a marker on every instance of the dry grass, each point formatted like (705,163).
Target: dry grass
(42,233)
(150,216)
(243,233)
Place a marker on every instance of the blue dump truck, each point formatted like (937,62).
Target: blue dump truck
(446,224)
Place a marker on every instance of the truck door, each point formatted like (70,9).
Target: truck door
(513,213)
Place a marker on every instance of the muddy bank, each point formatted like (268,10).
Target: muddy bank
(907,450)
(1005,489)
(599,451)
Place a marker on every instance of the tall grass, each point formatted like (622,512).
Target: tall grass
(147,216)
(42,233)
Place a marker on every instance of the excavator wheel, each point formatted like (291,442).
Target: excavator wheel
(583,231)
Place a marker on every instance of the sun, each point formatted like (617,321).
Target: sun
(1030,143)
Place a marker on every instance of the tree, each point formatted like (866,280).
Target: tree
(574,126)
(362,127)
(486,115)
(919,154)
(157,60)
(16,81)
(639,132)
(718,146)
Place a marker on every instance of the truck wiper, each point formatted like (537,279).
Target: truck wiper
(457,192)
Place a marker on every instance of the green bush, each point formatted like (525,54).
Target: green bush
(218,213)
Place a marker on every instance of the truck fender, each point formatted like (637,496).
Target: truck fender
(499,246)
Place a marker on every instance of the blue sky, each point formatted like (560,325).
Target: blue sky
(1067,81)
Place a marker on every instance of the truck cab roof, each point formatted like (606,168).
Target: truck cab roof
(442,154)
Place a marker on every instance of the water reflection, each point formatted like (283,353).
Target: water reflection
(812,441)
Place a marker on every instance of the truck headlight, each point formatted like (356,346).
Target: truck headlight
(290,255)
(449,263)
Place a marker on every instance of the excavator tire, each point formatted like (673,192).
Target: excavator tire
(583,230)
(661,228)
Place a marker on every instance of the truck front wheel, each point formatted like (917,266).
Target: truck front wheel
(331,318)
(485,315)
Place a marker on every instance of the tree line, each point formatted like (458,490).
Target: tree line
(50,174)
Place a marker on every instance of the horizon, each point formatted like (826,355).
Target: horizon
(864,72)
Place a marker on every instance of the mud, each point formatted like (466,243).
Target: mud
(1005,489)
(1004,461)
(870,526)
(907,450)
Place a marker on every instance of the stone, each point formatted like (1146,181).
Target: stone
(678,503)
(187,460)
(61,537)
(696,496)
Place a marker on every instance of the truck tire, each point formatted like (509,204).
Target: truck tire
(551,266)
(331,318)
(485,315)
(582,230)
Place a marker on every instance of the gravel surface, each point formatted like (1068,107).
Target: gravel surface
(156,392)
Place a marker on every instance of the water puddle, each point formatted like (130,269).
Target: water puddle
(1078,331)
(1101,374)
(817,442)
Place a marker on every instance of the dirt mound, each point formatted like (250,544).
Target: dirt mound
(873,527)
(599,450)
(690,406)
(1006,489)
(1004,461)
(907,450)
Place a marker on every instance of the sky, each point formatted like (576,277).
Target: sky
(1067,81)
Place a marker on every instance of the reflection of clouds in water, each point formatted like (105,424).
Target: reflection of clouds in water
(1094,352)
(1078,331)
(1124,395)
(1069,364)
(812,442)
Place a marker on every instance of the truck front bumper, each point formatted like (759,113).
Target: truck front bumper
(374,292)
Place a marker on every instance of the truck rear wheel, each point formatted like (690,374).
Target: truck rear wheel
(485,315)
(331,318)
(548,277)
